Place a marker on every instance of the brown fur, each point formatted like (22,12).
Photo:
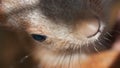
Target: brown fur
(70,40)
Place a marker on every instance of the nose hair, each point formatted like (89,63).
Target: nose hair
(87,28)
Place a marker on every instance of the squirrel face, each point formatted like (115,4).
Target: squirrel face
(74,27)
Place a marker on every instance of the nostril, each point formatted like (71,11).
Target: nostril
(38,37)
(88,28)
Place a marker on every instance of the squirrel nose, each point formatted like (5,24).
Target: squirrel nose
(87,28)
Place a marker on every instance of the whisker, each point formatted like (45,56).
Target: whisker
(106,38)
(70,59)
(94,45)
(63,62)
(60,58)
(101,43)
(108,34)
(80,51)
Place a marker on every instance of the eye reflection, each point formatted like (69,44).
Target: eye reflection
(38,37)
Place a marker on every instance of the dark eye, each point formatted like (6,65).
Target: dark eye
(40,38)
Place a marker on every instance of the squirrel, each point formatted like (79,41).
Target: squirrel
(56,33)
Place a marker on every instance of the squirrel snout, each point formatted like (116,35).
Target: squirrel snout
(88,28)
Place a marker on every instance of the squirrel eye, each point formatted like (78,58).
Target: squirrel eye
(38,37)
